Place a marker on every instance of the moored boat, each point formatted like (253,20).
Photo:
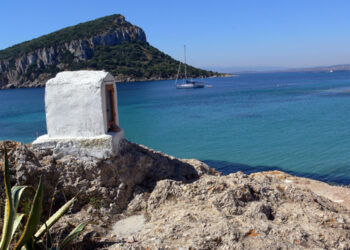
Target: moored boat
(187,84)
(190,85)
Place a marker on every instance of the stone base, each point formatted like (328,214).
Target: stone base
(101,147)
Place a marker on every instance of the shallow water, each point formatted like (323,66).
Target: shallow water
(295,122)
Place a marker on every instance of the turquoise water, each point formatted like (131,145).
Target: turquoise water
(295,122)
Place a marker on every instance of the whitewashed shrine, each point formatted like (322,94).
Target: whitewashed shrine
(81,115)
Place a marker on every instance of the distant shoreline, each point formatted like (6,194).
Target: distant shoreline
(330,69)
(118,81)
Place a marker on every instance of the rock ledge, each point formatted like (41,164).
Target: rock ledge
(167,203)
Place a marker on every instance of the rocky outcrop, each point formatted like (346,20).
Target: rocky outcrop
(109,43)
(238,211)
(33,68)
(143,199)
(110,183)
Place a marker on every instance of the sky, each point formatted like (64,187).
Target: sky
(221,35)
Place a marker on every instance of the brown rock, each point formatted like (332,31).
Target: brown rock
(185,203)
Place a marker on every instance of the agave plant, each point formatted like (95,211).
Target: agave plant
(30,238)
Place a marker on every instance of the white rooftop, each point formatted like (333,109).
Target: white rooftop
(82,77)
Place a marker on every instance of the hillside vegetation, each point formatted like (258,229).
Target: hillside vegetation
(135,59)
(109,43)
(76,32)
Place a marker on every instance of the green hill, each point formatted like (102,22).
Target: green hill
(108,43)
(76,32)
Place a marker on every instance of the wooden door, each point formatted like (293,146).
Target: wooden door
(111,115)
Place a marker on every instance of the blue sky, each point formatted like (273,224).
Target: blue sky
(236,34)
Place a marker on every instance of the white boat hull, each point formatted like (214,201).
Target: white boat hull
(190,85)
(187,84)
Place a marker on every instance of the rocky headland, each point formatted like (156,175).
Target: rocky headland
(109,43)
(143,199)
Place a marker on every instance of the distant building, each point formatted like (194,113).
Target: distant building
(81,115)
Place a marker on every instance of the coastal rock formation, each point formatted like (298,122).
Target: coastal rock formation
(109,43)
(33,68)
(146,199)
(110,183)
(238,211)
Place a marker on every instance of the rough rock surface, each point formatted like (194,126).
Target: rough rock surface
(183,204)
(259,211)
(110,182)
(104,188)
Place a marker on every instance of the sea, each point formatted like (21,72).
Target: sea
(294,122)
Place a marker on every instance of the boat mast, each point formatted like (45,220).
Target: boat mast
(178,72)
(185,61)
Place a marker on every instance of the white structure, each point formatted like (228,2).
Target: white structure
(81,115)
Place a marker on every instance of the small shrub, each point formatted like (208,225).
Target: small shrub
(30,238)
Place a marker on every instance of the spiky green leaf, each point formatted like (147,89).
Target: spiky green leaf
(33,218)
(54,218)
(45,243)
(9,214)
(17,192)
(48,238)
(29,245)
(72,235)
(16,223)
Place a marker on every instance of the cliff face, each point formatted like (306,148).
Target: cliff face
(33,68)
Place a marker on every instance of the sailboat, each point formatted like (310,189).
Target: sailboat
(187,84)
